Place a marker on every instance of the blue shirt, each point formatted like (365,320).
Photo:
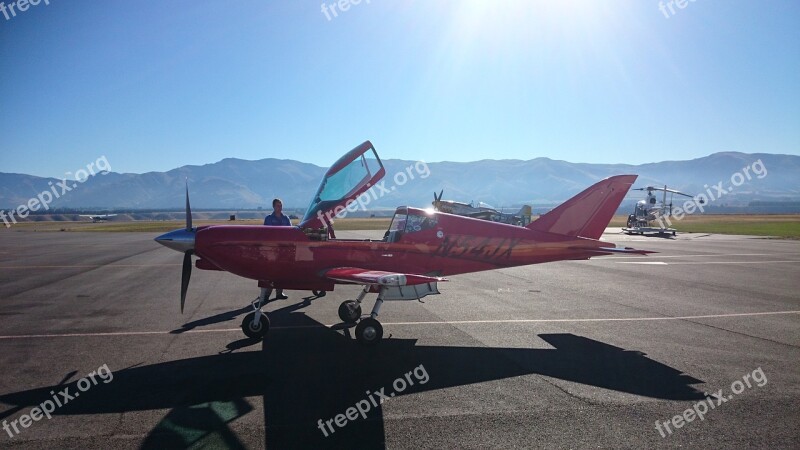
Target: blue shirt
(276,221)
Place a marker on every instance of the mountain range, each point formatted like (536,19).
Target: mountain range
(238,184)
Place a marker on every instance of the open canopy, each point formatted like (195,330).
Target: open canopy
(350,176)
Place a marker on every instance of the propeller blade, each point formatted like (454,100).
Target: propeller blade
(185,276)
(188,209)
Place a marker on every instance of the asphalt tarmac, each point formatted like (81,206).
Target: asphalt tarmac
(562,355)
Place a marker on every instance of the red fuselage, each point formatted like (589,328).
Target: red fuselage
(286,257)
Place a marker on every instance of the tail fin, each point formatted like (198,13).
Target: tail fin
(525,214)
(588,213)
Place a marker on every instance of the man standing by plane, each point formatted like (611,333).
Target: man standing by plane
(278,219)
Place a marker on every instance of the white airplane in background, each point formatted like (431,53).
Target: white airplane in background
(98,217)
(483,211)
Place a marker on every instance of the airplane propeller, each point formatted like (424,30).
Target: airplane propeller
(186,273)
(182,240)
(437,200)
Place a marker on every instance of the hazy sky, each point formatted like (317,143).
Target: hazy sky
(154,85)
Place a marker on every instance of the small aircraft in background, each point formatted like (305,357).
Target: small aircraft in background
(419,249)
(98,217)
(483,211)
(648,214)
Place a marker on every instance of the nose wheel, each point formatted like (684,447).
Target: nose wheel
(255,329)
(256,324)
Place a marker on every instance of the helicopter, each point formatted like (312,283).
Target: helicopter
(648,213)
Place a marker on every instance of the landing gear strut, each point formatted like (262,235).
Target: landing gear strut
(256,324)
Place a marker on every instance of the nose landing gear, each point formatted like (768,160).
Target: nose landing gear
(256,324)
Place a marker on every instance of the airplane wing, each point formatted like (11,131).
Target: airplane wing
(378,277)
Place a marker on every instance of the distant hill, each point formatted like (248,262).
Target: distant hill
(239,184)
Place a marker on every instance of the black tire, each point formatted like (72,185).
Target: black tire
(319,293)
(369,331)
(349,311)
(255,332)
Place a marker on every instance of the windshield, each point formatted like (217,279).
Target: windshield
(349,177)
(341,184)
(419,221)
(398,221)
(410,220)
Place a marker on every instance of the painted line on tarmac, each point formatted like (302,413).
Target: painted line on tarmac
(621,319)
(446,322)
(704,263)
(83,266)
(645,263)
(601,258)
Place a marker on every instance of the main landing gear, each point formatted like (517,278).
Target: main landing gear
(368,331)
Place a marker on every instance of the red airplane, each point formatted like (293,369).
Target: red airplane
(420,247)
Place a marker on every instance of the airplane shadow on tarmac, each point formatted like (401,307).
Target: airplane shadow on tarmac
(308,374)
